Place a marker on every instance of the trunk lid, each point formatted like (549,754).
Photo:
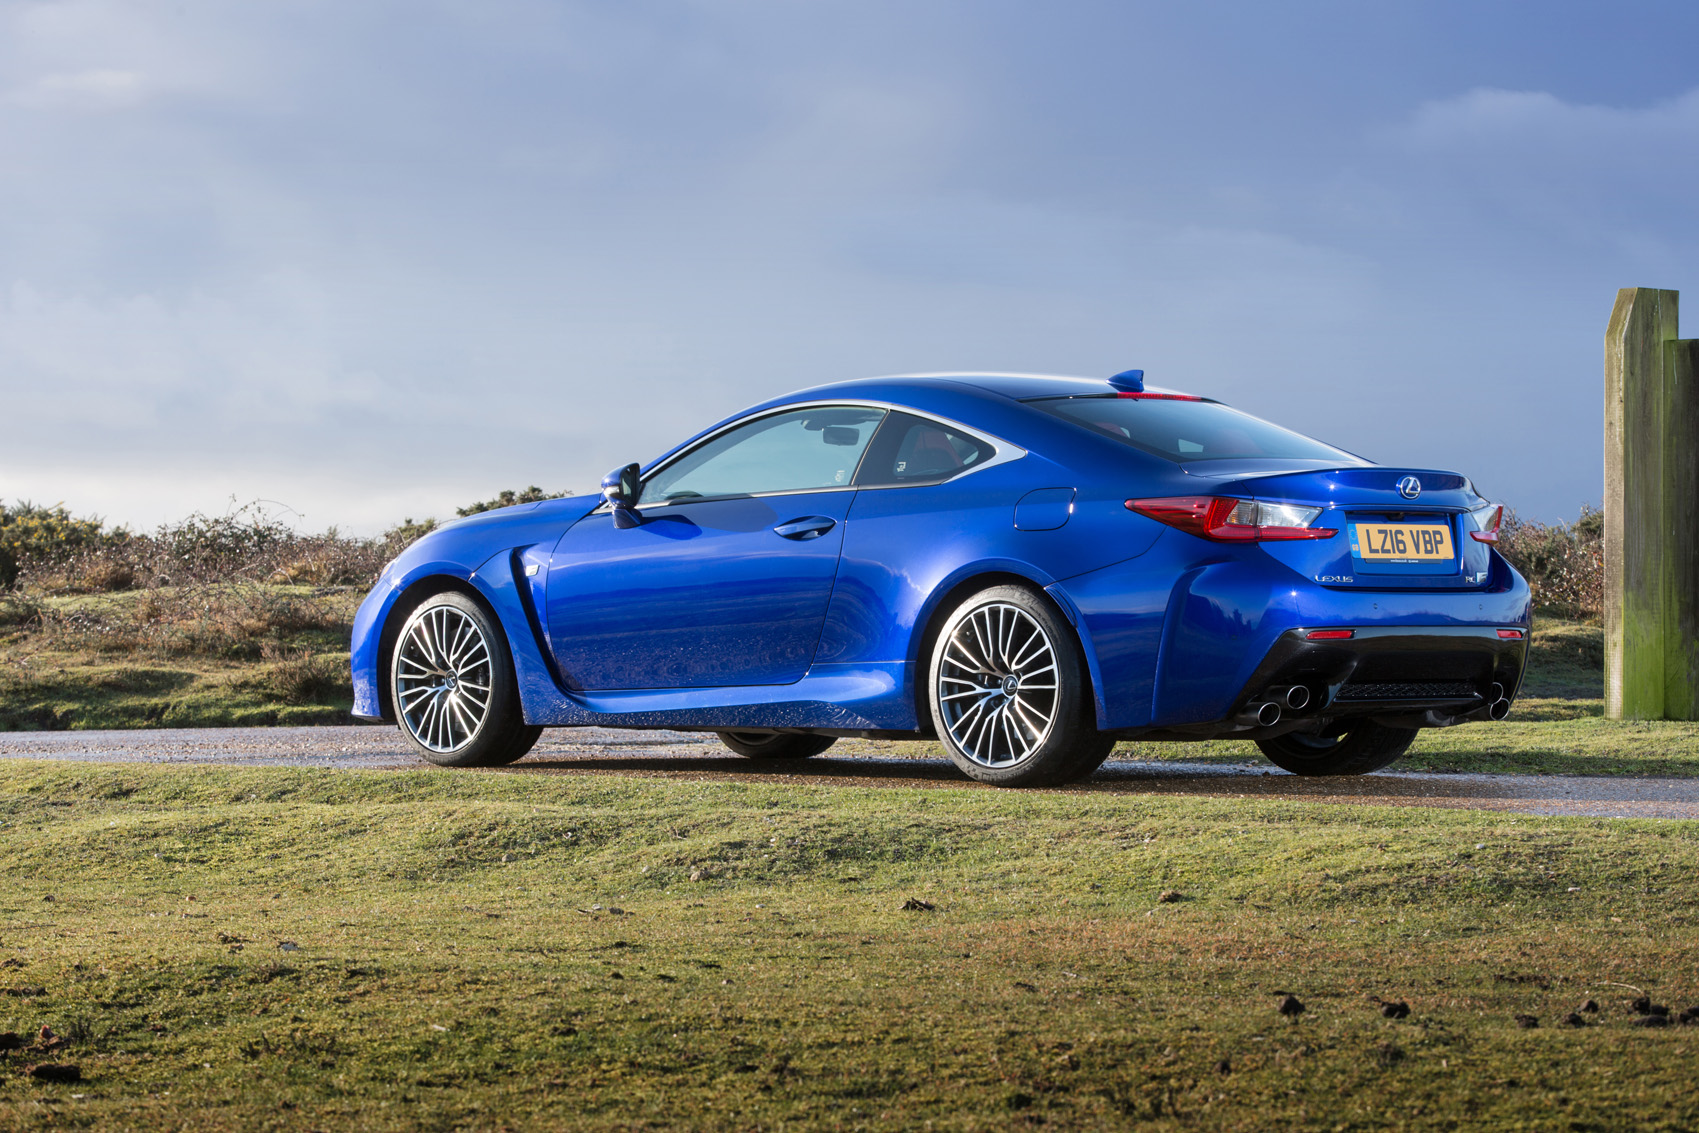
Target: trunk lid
(1388,538)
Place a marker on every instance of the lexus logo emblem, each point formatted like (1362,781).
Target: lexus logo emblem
(1409,487)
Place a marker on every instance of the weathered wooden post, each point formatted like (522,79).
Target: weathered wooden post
(1651,511)
(1681,476)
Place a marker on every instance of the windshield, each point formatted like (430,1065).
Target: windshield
(1186,430)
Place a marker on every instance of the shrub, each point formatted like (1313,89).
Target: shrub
(508,498)
(407,532)
(223,545)
(102,575)
(1564,563)
(32,535)
(18,610)
(206,585)
(246,544)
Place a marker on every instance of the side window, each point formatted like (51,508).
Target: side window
(786,452)
(913,450)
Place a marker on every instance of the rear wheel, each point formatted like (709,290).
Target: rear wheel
(1010,696)
(1360,749)
(776,745)
(453,689)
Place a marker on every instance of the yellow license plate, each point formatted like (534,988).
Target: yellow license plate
(1402,542)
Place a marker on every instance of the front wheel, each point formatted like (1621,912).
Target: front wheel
(776,745)
(452,682)
(1010,696)
(1362,748)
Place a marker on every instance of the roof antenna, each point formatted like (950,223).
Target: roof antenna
(1129,381)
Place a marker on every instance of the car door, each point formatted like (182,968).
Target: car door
(726,578)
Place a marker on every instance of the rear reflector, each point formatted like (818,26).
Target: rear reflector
(1510,634)
(1329,634)
(1228,520)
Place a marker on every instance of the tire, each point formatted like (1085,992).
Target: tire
(998,644)
(451,682)
(776,745)
(1364,747)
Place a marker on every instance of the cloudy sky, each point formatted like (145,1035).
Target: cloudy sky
(369,258)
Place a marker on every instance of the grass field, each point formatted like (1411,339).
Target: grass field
(1542,737)
(282,949)
(225,655)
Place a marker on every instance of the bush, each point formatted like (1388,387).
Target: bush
(225,544)
(407,532)
(206,586)
(247,544)
(18,610)
(1564,563)
(32,535)
(508,498)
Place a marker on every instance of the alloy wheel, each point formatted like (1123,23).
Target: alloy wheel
(997,685)
(442,678)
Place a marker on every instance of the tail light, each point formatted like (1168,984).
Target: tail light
(1487,520)
(1227,520)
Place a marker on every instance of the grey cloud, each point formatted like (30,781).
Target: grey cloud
(384,258)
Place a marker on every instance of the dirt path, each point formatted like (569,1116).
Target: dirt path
(861,763)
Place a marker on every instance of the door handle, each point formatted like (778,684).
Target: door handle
(809,527)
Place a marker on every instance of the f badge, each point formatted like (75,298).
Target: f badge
(1409,487)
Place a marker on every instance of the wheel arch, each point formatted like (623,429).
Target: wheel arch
(944,602)
(402,608)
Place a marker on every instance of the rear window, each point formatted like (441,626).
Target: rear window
(1184,431)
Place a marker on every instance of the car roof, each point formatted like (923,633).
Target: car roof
(1022,386)
(948,394)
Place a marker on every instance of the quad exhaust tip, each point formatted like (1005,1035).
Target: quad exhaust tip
(1267,713)
(1259,714)
(1498,705)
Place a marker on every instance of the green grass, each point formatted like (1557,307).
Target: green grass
(460,964)
(211,656)
(1542,737)
(55,691)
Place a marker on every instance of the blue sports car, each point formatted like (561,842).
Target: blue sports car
(1025,568)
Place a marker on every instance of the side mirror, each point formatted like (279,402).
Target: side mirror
(620,488)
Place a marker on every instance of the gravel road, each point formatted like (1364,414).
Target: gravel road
(608,751)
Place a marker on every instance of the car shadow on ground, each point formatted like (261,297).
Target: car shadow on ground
(871,769)
(1117,776)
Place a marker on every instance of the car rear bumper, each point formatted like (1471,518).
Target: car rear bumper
(1390,670)
(1177,645)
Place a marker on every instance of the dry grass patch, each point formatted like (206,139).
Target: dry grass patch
(293,949)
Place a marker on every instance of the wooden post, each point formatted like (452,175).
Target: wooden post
(1651,511)
(1681,506)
